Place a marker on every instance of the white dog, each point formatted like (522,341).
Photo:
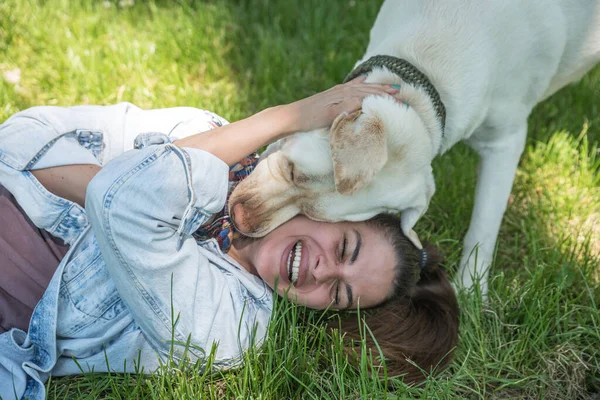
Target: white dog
(468,70)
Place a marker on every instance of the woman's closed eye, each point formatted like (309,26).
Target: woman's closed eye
(343,254)
(341,259)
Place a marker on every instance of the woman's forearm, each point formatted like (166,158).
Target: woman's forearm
(230,143)
(235,141)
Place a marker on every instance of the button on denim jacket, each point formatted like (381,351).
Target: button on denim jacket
(135,284)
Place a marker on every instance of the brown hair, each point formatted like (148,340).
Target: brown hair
(418,324)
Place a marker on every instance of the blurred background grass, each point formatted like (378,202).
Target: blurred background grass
(538,335)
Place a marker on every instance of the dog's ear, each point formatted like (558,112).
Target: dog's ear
(411,215)
(359,150)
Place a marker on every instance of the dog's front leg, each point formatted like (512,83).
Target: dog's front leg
(499,151)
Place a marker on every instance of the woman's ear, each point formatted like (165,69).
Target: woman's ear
(359,150)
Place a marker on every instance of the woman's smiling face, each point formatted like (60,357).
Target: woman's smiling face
(320,264)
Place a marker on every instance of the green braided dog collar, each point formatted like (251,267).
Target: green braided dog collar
(409,73)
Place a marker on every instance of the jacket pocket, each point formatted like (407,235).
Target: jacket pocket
(88,297)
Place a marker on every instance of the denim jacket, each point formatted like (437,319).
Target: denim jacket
(135,284)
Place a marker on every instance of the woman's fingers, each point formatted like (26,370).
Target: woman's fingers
(353,100)
(358,79)
(367,89)
(320,110)
(374,88)
(361,80)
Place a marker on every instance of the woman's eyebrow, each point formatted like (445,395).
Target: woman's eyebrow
(349,294)
(356,248)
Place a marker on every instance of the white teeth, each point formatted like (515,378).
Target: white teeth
(297,253)
(288,262)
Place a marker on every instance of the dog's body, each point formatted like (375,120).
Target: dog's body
(490,61)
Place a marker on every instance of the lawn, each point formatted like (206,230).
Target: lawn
(538,336)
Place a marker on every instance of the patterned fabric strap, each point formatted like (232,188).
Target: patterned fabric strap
(221,228)
(409,73)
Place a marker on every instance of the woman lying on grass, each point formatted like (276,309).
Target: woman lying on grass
(139,283)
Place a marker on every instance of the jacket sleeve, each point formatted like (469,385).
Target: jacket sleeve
(143,207)
(42,137)
(47,136)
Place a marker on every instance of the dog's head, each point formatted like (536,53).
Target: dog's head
(374,160)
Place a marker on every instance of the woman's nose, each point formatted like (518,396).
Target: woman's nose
(325,270)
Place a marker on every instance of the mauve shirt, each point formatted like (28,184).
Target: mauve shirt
(28,258)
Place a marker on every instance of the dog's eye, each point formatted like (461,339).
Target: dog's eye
(291,171)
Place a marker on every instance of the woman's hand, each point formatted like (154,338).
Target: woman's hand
(321,109)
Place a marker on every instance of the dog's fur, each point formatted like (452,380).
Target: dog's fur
(491,62)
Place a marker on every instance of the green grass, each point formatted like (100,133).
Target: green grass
(537,337)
